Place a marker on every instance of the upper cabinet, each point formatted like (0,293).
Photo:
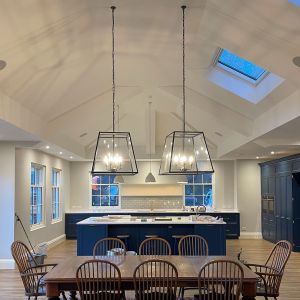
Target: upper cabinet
(151,190)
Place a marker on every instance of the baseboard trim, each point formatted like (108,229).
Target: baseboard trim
(251,235)
(56,241)
(7,264)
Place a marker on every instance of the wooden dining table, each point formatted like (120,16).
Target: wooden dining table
(63,276)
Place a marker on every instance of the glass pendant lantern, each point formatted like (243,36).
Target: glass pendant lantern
(114,154)
(185,152)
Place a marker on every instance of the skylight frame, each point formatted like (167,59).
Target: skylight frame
(235,72)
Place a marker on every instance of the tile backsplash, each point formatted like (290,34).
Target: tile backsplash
(152,202)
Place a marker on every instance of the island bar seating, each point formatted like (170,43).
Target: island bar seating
(102,246)
(31,273)
(272,271)
(155,246)
(99,279)
(155,279)
(220,279)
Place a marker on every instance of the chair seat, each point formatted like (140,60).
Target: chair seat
(261,291)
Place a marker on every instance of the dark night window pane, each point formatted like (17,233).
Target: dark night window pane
(199,200)
(95,201)
(207,178)
(189,201)
(105,179)
(104,200)
(189,178)
(197,178)
(198,189)
(189,189)
(114,201)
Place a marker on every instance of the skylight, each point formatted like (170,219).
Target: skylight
(240,66)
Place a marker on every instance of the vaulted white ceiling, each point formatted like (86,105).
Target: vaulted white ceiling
(56,86)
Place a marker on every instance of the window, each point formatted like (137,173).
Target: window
(105,193)
(56,204)
(37,195)
(240,66)
(198,190)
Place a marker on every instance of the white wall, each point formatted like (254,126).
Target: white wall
(249,195)
(24,158)
(236,186)
(7,203)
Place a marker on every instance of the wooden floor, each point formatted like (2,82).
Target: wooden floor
(253,251)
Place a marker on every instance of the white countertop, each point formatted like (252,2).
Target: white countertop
(129,211)
(106,220)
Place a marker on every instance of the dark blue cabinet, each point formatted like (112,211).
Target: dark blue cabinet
(88,235)
(286,172)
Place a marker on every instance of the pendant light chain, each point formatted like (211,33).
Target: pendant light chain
(113,63)
(183,65)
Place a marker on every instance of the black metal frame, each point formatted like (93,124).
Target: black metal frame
(93,172)
(185,172)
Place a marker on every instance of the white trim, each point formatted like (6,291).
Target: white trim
(7,264)
(54,242)
(251,235)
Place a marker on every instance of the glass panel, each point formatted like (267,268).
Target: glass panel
(190,178)
(198,189)
(105,179)
(241,65)
(188,189)
(104,200)
(112,178)
(104,190)
(189,201)
(198,179)
(96,180)
(114,190)
(114,201)
(95,201)
(207,189)
(207,178)
(32,176)
(199,200)
(95,189)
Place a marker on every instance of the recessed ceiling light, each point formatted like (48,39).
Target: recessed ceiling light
(83,134)
(47,147)
(296,61)
(60,153)
(257,157)
(272,152)
(2,64)
(71,157)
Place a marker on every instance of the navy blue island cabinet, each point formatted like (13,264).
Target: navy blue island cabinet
(89,234)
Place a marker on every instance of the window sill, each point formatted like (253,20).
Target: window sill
(56,221)
(36,227)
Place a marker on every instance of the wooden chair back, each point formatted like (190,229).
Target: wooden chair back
(193,245)
(279,256)
(102,247)
(155,246)
(22,256)
(220,279)
(98,280)
(155,279)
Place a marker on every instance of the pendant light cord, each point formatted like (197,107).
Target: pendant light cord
(183,65)
(150,134)
(113,64)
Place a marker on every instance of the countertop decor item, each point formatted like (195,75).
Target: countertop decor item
(114,152)
(185,152)
(150,177)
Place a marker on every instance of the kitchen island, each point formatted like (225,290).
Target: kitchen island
(92,229)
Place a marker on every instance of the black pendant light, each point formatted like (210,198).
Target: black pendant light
(114,152)
(150,177)
(185,152)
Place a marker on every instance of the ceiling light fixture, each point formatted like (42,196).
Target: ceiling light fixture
(296,61)
(47,147)
(114,152)
(150,177)
(257,157)
(185,152)
(71,157)
(272,152)
(60,153)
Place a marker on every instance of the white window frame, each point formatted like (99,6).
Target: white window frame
(43,189)
(59,201)
(103,207)
(202,184)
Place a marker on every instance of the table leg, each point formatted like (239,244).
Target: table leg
(73,295)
